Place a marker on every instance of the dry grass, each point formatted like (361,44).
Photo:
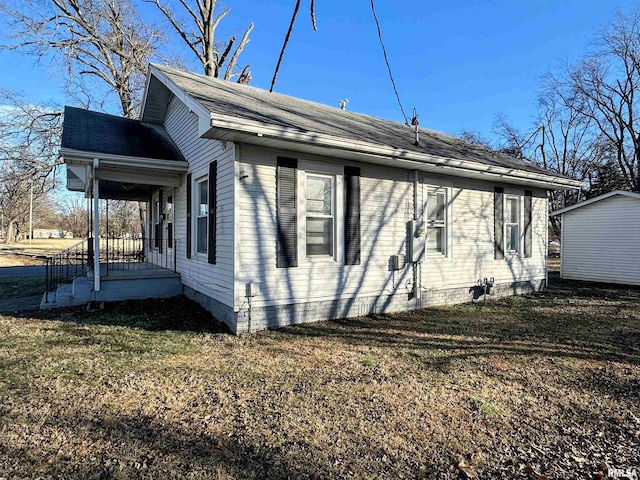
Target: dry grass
(22,253)
(17,287)
(524,386)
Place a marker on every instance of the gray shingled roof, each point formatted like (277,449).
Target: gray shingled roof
(89,131)
(250,103)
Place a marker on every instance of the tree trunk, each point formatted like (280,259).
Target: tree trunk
(9,237)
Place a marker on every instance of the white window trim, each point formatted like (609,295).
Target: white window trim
(323,169)
(519,197)
(195,209)
(446,186)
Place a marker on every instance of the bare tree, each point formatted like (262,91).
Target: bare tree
(18,180)
(562,140)
(73,215)
(119,218)
(29,139)
(198,32)
(475,138)
(568,143)
(29,133)
(103,41)
(605,88)
(294,15)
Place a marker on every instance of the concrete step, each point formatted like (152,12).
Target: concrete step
(80,291)
(48,301)
(64,295)
(76,293)
(82,287)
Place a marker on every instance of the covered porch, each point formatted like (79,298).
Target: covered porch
(111,158)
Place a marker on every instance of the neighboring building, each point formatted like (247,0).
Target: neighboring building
(51,233)
(601,239)
(283,211)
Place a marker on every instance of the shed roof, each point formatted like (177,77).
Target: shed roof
(101,133)
(244,102)
(597,199)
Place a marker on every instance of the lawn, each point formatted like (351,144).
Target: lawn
(16,287)
(34,253)
(526,387)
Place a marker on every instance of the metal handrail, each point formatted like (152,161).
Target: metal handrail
(116,253)
(67,264)
(127,253)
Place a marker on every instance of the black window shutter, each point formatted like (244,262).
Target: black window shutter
(352,216)
(498,226)
(528,218)
(189,215)
(213,199)
(287,242)
(160,221)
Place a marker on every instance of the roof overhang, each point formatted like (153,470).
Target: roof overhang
(192,104)
(596,199)
(241,130)
(245,131)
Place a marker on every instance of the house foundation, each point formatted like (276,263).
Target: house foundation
(282,315)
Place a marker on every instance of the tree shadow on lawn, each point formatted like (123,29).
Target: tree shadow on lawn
(171,314)
(572,319)
(117,445)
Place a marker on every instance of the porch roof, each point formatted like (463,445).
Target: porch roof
(129,158)
(101,133)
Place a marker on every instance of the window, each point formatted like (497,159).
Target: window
(202,215)
(436,221)
(320,214)
(512,223)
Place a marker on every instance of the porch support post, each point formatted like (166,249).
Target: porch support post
(96,228)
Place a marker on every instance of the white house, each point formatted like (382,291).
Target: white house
(601,239)
(280,210)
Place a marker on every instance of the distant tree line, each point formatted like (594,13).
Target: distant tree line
(102,49)
(586,124)
(587,121)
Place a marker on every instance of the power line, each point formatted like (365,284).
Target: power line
(386,59)
(286,40)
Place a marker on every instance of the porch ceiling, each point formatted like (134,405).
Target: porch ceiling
(123,180)
(125,191)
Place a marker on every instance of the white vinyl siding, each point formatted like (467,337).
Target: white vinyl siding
(601,241)
(471,241)
(386,205)
(216,280)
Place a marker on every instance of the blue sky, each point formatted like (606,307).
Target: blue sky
(458,63)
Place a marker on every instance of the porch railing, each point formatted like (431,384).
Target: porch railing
(122,253)
(116,253)
(67,264)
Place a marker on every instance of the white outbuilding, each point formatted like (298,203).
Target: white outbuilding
(601,239)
